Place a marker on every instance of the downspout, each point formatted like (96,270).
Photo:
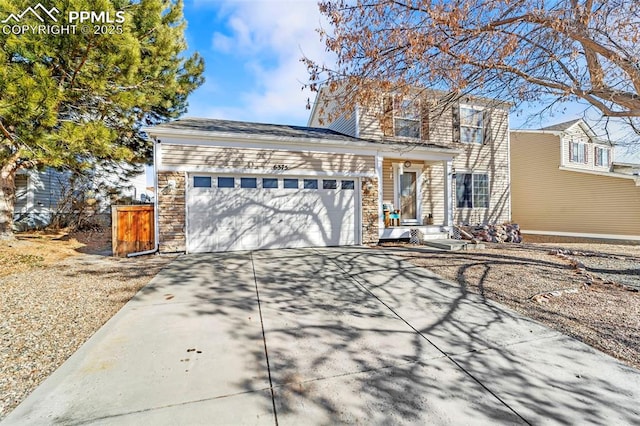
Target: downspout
(156,236)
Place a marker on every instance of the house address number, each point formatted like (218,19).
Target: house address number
(280,167)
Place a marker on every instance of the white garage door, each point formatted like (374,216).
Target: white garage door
(227,213)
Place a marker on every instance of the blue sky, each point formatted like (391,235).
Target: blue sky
(252,51)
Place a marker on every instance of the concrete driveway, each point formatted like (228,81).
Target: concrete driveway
(326,336)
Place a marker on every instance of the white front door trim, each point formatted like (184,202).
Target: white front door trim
(398,170)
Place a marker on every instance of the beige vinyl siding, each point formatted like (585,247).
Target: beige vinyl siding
(433,200)
(548,199)
(387,179)
(263,160)
(369,120)
(492,159)
(440,125)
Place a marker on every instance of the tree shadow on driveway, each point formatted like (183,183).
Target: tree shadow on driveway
(357,334)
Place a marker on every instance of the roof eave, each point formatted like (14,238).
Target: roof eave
(289,140)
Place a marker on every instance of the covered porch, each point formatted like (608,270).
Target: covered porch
(416,193)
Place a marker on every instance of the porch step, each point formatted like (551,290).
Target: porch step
(404,232)
(440,236)
(452,245)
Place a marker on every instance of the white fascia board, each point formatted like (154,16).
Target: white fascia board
(586,128)
(261,172)
(314,145)
(274,144)
(434,154)
(605,174)
(582,235)
(214,137)
(615,163)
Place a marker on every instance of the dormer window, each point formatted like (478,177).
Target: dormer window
(602,156)
(406,118)
(578,152)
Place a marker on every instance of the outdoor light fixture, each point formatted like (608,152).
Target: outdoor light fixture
(171,185)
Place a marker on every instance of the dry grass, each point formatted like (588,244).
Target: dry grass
(53,297)
(604,314)
(43,248)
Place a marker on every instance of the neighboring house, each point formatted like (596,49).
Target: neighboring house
(564,182)
(37,197)
(228,185)
(40,194)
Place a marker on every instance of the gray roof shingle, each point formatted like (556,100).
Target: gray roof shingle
(561,127)
(248,128)
(276,130)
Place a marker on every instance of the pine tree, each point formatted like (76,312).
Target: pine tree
(72,100)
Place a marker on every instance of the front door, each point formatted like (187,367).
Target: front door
(408,195)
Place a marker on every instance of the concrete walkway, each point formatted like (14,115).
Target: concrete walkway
(326,336)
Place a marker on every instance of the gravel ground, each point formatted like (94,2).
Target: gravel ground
(47,311)
(604,314)
(53,299)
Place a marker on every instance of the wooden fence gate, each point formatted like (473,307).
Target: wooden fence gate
(132,229)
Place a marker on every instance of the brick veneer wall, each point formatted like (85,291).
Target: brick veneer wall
(370,212)
(171,212)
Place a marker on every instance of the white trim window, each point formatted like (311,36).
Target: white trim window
(471,125)
(578,152)
(472,190)
(602,156)
(406,118)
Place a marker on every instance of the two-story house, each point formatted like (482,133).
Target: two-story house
(564,183)
(470,188)
(374,173)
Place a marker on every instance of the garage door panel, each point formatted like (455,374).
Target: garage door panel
(226,219)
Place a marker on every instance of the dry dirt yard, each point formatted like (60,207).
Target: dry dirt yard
(588,291)
(56,290)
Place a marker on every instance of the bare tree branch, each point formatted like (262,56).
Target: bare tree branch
(518,50)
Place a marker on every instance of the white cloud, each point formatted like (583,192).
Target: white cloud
(271,37)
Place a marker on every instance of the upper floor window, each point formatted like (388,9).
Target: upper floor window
(602,156)
(578,152)
(406,118)
(471,125)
